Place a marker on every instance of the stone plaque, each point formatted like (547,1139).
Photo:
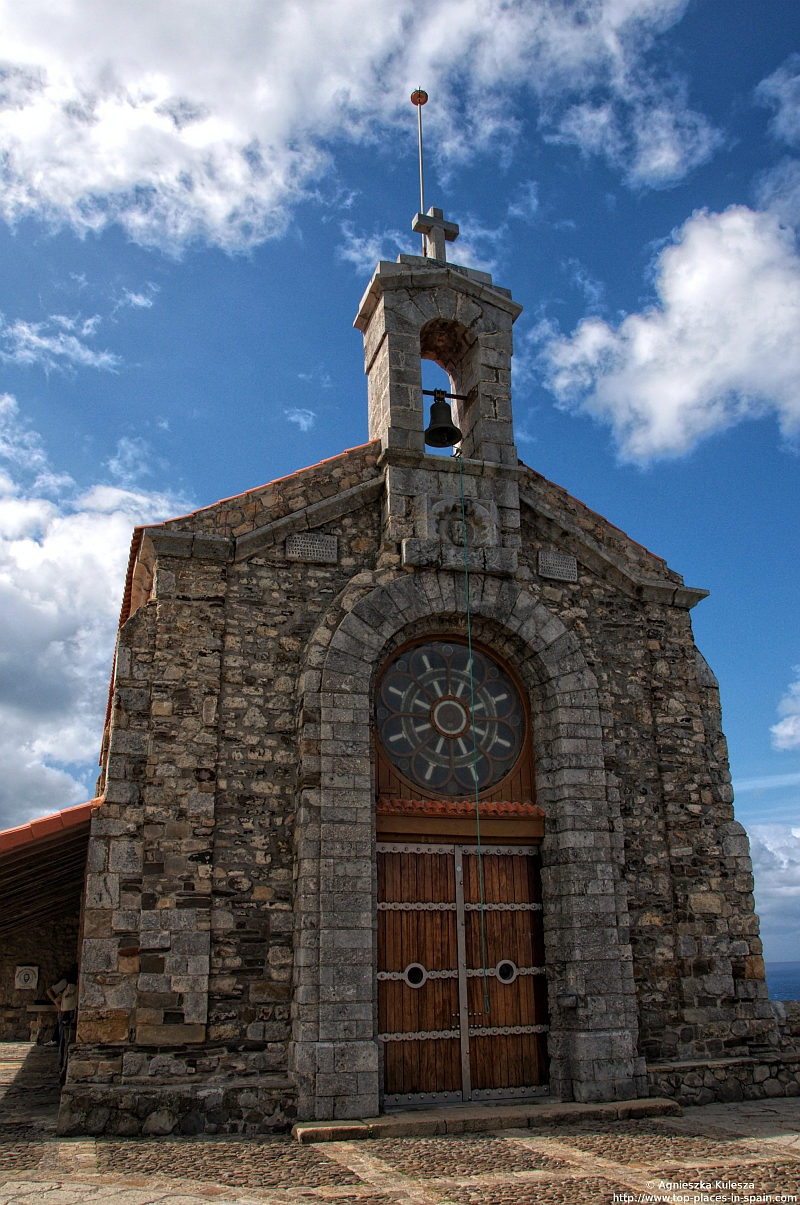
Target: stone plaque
(316,549)
(26,979)
(558,565)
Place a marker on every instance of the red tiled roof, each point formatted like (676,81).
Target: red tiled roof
(458,807)
(47,826)
(589,511)
(308,468)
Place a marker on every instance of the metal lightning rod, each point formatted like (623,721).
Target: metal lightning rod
(420,98)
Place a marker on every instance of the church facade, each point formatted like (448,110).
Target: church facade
(415,788)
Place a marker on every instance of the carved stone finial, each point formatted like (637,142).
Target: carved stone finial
(437,231)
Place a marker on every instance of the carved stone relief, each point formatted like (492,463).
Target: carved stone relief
(442,519)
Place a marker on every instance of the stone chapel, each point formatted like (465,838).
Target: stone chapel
(414,788)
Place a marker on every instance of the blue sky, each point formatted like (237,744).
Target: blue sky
(190,221)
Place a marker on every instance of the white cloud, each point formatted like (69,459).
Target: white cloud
(137,301)
(207,120)
(779,188)
(779,191)
(303,418)
(479,246)
(19,445)
(363,251)
(768,782)
(526,204)
(786,733)
(648,133)
(131,460)
(317,376)
(580,276)
(62,570)
(57,343)
(721,345)
(781,92)
(775,850)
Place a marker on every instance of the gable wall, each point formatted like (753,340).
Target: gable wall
(694,934)
(241,514)
(188,955)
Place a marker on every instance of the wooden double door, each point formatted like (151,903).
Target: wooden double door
(462,995)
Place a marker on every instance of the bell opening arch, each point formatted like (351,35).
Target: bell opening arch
(462,322)
(457,350)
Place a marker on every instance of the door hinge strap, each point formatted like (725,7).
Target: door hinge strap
(472,973)
(423,1035)
(493,1031)
(393,975)
(477,972)
(478,1031)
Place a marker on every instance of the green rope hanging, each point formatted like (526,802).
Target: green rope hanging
(474,737)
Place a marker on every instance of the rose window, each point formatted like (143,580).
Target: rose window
(424,714)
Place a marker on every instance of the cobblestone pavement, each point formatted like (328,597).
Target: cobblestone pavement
(755,1145)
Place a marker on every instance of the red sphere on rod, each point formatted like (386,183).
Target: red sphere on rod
(419,98)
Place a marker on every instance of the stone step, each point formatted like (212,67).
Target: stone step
(465,1119)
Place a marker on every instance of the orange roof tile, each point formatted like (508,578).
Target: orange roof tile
(457,807)
(596,513)
(46,826)
(308,468)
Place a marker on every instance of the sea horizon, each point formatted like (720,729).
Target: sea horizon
(783,980)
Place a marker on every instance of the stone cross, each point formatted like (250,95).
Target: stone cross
(436,231)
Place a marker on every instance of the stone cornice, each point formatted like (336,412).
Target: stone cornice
(639,586)
(390,275)
(406,458)
(167,541)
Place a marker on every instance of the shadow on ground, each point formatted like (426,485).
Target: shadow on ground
(29,1089)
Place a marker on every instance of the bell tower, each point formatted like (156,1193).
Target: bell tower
(423,307)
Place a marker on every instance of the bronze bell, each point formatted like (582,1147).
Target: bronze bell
(442,431)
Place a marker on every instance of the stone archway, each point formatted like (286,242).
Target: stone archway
(592,1003)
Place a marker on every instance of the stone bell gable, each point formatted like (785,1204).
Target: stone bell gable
(235,969)
(457,317)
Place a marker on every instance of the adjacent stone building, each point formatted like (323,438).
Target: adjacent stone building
(289,910)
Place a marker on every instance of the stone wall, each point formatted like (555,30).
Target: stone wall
(268,504)
(53,947)
(774,1071)
(228,961)
(694,935)
(724,1080)
(189,923)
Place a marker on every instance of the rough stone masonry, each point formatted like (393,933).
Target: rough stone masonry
(228,976)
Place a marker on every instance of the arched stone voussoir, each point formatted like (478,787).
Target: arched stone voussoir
(566,662)
(356,635)
(346,652)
